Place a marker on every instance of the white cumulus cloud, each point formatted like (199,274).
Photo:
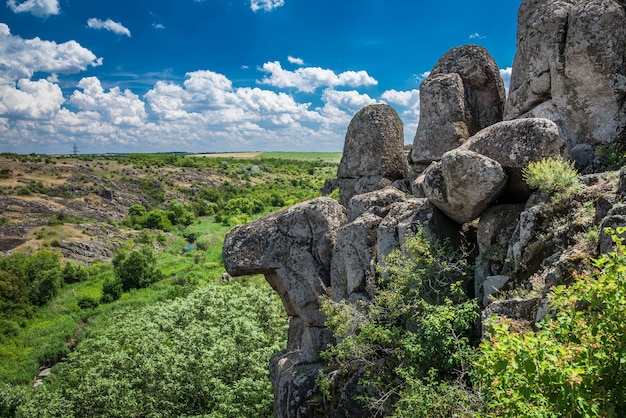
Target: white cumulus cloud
(39,8)
(109,25)
(308,79)
(33,100)
(265,5)
(204,112)
(21,58)
(121,108)
(505,73)
(294,60)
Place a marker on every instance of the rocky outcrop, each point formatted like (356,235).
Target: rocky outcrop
(514,144)
(570,67)
(463,184)
(567,95)
(375,201)
(405,217)
(354,259)
(373,154)
(463,94)
(495,228)
(293,249)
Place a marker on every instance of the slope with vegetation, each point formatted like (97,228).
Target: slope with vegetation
(110,282)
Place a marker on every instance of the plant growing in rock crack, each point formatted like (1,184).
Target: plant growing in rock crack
(552,175)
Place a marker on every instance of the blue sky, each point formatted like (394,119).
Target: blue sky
(223,75)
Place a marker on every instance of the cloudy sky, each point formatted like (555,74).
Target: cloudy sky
(223,75)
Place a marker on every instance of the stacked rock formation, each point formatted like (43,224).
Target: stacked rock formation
(567,95)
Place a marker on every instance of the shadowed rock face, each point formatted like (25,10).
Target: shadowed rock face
(570,67)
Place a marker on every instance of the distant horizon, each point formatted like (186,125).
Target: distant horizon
(208,76)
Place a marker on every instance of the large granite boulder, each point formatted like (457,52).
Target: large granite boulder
(570,67)
(514,144)
(463,94)
(293,249)
(443,121)
(373,152)
(463,184)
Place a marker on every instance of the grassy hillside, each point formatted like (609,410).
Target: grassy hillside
(88,212)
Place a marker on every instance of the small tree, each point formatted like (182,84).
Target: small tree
(136,269)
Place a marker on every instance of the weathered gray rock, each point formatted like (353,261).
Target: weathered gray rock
(464,184)
(354,257)
(621,185)
(491,285)
(605,242)
(379,199)
(514,144)
(373,152)
(463,94)
(293,249)
(443,118)
(570,67)
(526,310)
(405,217)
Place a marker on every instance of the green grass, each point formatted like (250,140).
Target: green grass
(324,156)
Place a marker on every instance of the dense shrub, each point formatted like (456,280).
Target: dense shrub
(574,365)
(418,331)
(74,272)
(203,355)
(111,290)
(43,276)
(136,268)
(180,214)
(157,219)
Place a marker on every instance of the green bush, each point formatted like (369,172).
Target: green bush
(202,355)
(574,365)
(157,219)
(87,302)
(552,176)
(179,214)
(419,327)
(136,268)
(111,290)
(74,272)
(43,270)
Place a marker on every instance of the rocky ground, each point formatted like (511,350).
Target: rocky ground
(76,204)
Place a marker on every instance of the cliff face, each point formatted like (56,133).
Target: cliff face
(568,94)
